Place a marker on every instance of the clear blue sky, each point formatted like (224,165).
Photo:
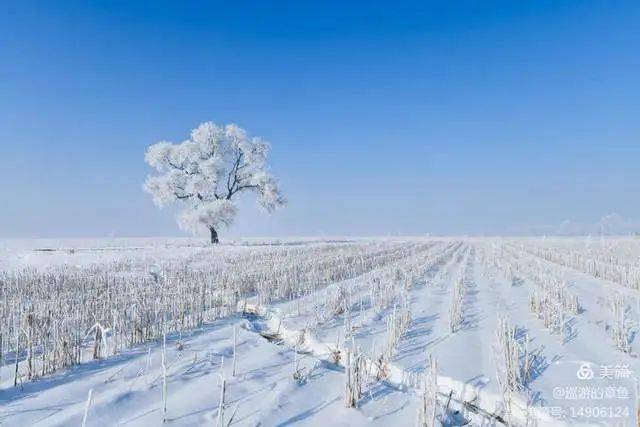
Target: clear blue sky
(384,117)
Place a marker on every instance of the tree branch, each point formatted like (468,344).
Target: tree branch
(180,168)
(232,187)
(240,188)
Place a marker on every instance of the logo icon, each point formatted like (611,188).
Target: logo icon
(585,372)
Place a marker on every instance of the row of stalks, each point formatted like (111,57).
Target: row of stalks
(62,316)
(608,267)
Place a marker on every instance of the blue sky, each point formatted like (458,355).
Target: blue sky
(466,117)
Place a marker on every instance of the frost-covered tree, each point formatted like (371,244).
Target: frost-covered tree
(207,171)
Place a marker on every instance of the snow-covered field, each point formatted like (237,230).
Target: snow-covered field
(415,331)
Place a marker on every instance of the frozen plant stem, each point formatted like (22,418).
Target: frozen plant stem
(223,386)
(233,365)
(295,361)
(455,311)
(353,369)
(86,408)
(428,405)
(164,377)
(621,328)
(17,352)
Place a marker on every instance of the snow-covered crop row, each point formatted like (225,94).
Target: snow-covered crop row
(606,265)
(381,332)
(56,317)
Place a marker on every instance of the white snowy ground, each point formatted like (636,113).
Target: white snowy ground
(127,388)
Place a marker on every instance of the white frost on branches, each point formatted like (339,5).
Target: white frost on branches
(216,214)
(207,171)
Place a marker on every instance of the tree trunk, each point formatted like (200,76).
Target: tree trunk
(214,236)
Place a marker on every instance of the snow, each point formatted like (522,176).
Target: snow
(497,276)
